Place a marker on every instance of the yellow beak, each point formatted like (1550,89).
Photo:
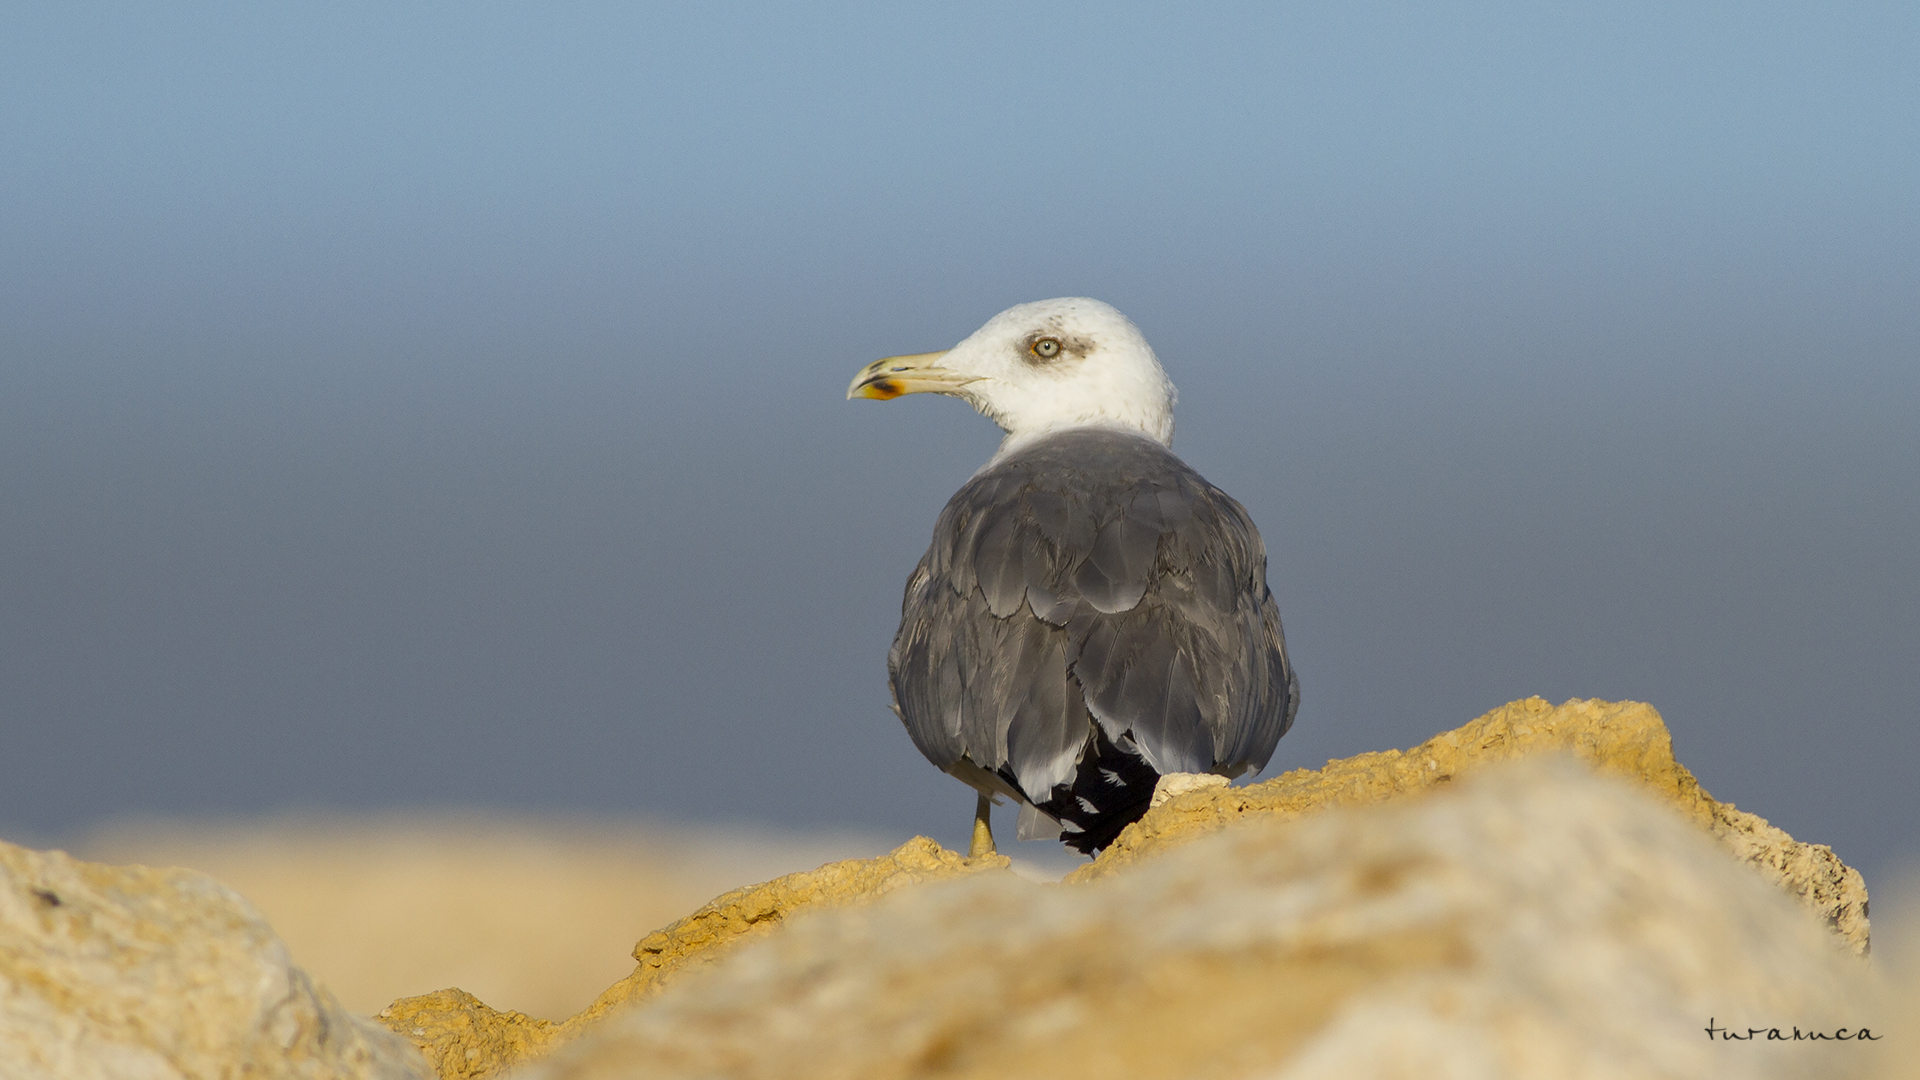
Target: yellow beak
(920,373)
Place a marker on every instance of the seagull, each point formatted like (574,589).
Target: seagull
(1092,614)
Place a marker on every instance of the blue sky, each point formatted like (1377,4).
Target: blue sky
(441,404)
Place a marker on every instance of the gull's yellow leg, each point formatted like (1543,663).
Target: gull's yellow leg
(982,829)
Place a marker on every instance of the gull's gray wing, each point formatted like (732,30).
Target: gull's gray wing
(1092,578)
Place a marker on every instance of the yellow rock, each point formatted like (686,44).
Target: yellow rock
(467,1040)
(1626,739)
(461,1037)
(1533,921)
(756,910)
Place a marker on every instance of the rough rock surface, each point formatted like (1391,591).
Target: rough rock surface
(1535,920)
(1625,739)
(1180,783)
(464,1039)
(129,972)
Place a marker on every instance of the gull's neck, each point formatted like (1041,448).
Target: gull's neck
(1017,441)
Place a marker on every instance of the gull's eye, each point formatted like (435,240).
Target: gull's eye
(1046,348)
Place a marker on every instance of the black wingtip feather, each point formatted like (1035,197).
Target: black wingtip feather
(1111,789)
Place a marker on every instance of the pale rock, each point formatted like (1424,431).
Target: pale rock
(1533,921)
(1182,782)
(135,973)
(467,1040)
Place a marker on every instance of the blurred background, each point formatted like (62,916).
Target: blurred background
(427,420)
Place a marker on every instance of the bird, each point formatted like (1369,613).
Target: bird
(1091,614)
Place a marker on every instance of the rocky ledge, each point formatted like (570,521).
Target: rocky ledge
(1544,892)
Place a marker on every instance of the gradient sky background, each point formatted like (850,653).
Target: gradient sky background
(441,404)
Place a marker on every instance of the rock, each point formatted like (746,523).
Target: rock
(1626,739)
(464,1038)
(461,1037)
(1182,782)
(756,910)
(1534,920)
(132,972)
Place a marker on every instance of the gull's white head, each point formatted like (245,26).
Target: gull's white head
(1039,368)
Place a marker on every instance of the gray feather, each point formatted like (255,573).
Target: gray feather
(1092,578)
